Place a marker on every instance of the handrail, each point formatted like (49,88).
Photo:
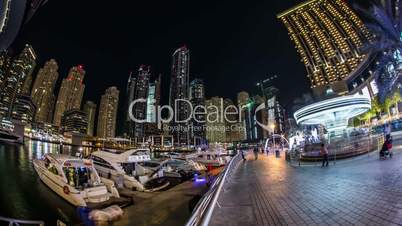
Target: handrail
(17,222)
(203,211)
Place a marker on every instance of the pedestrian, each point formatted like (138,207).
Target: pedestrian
(242,154)
(387,129)
(255,153)
(324,154)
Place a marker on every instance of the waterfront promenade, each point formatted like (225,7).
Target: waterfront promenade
(359,191)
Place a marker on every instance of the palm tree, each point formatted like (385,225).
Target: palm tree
(386,25)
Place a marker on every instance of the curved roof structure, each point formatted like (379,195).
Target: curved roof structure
(333,113)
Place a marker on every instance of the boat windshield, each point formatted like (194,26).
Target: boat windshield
(80,177)
(129,168)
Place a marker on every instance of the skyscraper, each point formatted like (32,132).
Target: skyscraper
(179,89)
(70,94)
(139,110)
(108,113)
(215,123)
(74,121)
(43,91)
(129,124)
(23,109)
(5,61)
(197,98)
(16,75)
(243,99)
(153,99)
(328,36)
(90,110)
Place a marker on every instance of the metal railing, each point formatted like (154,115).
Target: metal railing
(202,213)
(17,222)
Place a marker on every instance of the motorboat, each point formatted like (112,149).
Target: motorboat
(126,167)
(74,179)
(9,136)
(186,168)
(209,158)
(7,132)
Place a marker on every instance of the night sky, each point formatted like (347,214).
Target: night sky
(233,44)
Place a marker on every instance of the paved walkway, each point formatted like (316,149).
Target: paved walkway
(359,191)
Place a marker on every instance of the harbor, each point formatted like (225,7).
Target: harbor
(25,196)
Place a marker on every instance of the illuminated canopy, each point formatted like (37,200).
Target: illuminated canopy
(333,113)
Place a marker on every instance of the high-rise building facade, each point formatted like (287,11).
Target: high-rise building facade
(329,37)
(5,61)
(130,90)
(179,89)
(215,124)
(242,101)
(153,99)
(90,110)
(108,113)
(15,79)
(197,98)
(24,109)
(139,110)
(43,91)
(70,93)
(74,121)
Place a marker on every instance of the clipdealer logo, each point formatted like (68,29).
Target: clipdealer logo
(199,113)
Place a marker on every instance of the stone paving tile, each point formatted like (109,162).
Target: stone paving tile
(362,191)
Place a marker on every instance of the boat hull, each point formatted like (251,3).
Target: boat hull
(73,196)
(128,181)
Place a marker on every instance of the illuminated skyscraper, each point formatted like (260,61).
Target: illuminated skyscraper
(70,94)
(243,98)
(74,121)
(90,110)
(197,98)
(5,61)
(23,109)
(129,124)
(15,78)
(179,89)
(329,37)
(215,123)
(108,113)
(153,99)
(139,110)
(43,91)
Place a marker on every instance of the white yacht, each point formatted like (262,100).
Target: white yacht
(209,158)
(7,133)
(113,164)
(74,179)
(8,136)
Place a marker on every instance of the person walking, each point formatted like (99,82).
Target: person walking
(255,153)
(324,154)
(387,129)
(242,154)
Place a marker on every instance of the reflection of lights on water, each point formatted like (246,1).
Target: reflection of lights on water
(198,179)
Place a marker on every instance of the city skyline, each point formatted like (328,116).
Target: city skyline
(212,68)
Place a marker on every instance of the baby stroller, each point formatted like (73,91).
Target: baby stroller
(386,148)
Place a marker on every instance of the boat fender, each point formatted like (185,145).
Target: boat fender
(66,190)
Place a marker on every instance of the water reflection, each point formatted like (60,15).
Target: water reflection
(22,194)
